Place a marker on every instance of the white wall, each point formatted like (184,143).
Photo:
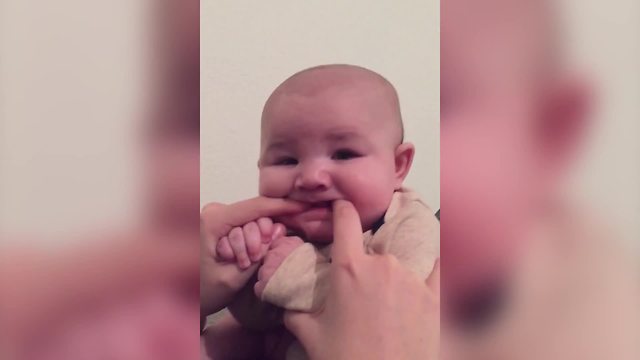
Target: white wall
(249,47)
(71,97)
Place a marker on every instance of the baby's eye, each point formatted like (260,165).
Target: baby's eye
(286,161)
(345,154)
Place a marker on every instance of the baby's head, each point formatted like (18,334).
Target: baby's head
(511,120)
(333,132)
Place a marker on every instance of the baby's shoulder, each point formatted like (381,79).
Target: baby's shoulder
(407,204)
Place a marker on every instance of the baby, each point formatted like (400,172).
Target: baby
(330,132)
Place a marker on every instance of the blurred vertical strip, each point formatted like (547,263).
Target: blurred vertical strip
(540,167)
(99,186)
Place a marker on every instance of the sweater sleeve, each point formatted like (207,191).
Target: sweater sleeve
(412,236)
(301,281)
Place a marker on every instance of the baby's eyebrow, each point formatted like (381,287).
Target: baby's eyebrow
(277,145)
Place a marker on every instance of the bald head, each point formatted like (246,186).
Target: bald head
(321,79)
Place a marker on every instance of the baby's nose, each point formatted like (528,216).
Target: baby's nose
(313,177)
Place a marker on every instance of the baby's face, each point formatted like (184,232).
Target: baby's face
(333,144)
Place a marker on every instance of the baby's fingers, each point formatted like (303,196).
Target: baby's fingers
(269,230)
(253,241)
(266,228)
(237,242)
(224,250)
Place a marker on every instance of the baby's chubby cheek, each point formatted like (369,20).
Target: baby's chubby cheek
(370,190)
(274,183)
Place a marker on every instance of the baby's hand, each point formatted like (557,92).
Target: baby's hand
(249,243)
(278,251)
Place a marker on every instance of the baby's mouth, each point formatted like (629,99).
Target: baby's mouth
(319,210)
(321,204)
(314,211)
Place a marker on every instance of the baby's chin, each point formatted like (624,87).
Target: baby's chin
(318,232)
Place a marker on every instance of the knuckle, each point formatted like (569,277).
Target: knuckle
(346,267)
(211,209)
(221,246)
(388,265)
(228,281)
(210,217)
(390,260)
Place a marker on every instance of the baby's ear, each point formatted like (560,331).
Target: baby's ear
(563,121)
(403,160)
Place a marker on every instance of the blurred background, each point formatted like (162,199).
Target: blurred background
(74,78)
(603,42)
(249,48)
(539,179)
(99,179)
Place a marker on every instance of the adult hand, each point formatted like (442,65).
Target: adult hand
(220,281)
(376,309)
